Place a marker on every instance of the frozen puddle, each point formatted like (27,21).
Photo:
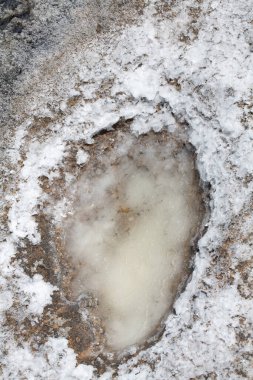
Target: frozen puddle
(137,209)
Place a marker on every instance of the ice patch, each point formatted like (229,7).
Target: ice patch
(130,237)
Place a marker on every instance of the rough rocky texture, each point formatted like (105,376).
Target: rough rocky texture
(33,30)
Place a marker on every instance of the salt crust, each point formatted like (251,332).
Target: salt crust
(214,77)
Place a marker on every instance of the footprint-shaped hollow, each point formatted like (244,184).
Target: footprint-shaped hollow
(138,207)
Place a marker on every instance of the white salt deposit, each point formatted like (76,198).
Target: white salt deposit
(130,237)
(213,104)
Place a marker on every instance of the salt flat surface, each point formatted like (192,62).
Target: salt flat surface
(195,67)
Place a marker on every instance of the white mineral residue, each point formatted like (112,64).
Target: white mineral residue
(130,238)
(198,60)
